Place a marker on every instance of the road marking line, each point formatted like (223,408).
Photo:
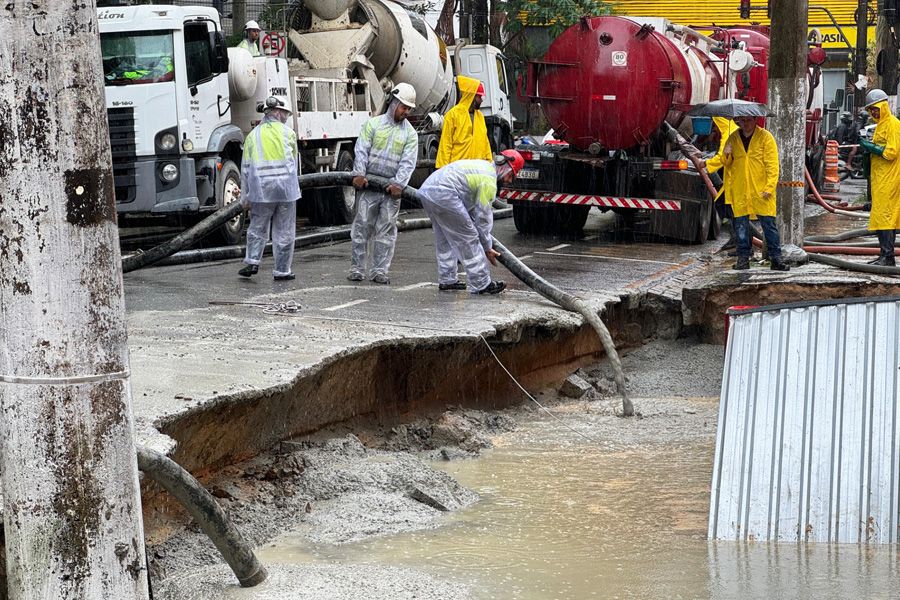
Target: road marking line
(589,238)
(413,286)
(526,257)
(560,247)
(347,305)
(659,262)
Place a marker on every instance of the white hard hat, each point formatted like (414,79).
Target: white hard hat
(274,102)
(405,93)
(251,25)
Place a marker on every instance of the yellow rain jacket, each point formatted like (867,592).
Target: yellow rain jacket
(464,135)
(886,172)
(726,127)
(749,173)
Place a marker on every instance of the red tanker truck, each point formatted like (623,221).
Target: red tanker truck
(608,86)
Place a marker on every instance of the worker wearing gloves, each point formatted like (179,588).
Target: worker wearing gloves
(723,204)
(269,188)
(885,175)
(387,147)
(458,200)
(751,174)
(464,134)
(251,35)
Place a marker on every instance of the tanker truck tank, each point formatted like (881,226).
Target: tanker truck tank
(377,35)
(610,82)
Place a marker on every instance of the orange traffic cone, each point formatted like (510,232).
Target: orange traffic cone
(832,183)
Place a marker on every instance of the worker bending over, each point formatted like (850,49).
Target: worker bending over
(387,147)
(458,200)
(251,35)
(464,134)
(883,151)
(269,188)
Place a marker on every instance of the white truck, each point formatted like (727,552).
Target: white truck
(180,103)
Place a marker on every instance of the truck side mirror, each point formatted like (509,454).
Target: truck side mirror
(220,52)
(839,97)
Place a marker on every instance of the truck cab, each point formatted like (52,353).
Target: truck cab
(488,65)
(175,150)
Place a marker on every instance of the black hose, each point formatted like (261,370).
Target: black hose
(201,505)
(847,235)
(573,304)
(853,266)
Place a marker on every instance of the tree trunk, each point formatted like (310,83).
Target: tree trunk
(788,92)
(238,16)
(859,57)
(72,512)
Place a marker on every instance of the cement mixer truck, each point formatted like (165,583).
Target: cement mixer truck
(612,88)
(180,102)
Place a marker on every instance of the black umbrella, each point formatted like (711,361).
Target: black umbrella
(731,108)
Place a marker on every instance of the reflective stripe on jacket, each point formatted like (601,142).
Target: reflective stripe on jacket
(387,149)
(249,46)
(269,165)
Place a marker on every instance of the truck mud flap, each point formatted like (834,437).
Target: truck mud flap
(697,218)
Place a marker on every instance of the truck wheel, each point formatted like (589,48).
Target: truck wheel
(526,219)
(567,220)
(227,183)
(336,205)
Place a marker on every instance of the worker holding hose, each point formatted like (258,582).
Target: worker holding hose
(751,174)
(723,204)
(387,147)
(884,177)
(269,188)
(458,200)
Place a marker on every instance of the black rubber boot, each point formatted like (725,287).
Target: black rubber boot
(886,249)
(742,263)
(249,270)
(778,265)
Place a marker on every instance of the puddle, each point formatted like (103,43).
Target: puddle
(563,517)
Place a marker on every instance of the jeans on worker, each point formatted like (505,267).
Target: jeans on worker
(376,215)
(770,231)
(279,219)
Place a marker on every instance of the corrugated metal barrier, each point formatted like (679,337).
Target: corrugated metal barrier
(809,429)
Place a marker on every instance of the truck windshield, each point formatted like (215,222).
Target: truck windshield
(131,57)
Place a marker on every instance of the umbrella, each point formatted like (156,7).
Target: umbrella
(731,108)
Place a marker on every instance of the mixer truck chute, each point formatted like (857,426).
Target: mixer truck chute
(608,86)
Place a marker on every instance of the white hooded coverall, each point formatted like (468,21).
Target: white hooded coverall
(458,200)
(387,149)
(269,184)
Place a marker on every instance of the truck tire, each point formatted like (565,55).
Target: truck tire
(566,220)
(227,182)
(527,218)
(336,205)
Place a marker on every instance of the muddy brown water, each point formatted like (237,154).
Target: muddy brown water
(561,516)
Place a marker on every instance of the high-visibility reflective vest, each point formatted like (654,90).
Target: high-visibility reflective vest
(249,46)
(269,165)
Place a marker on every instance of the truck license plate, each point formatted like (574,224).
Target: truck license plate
(529,174)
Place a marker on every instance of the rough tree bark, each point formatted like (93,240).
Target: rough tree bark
(788,91)
(71,502)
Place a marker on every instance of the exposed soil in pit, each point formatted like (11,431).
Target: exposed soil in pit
(359,482)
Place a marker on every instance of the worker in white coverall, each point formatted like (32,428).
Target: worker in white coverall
(269,188)
(458,200)
(387,147)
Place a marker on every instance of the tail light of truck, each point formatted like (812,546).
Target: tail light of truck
(527,154)
(672,165)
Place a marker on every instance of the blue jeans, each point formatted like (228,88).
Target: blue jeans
(770,231)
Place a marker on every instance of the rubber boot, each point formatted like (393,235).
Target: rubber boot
(742,263)
(886,249)
(778,265)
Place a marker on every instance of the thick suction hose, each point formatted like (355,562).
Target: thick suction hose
(201,505)
(573,304)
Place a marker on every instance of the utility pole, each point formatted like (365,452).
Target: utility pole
(886,53)
(860,66)
(239,16)
(787,99)
(71,502)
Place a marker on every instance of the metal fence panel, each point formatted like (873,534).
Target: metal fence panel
(809,424)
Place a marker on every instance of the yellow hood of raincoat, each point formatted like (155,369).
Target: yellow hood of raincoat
(464,135)
(726,127)
(750,172)
(885,175)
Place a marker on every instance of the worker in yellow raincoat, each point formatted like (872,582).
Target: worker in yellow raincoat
(723,204)
(751,175)
(464,135)
(884,150)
